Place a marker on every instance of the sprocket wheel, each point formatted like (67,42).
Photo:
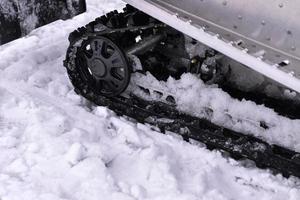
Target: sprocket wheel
(103,65)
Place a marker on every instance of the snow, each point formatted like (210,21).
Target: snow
(56,145)
(208,101)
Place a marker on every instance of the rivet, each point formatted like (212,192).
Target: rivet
(263,22)
(293,48)
(224,3)
(240,17)
(280,5)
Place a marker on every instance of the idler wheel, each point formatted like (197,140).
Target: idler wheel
(103,65)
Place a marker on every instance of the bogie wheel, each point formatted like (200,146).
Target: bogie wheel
(102,65)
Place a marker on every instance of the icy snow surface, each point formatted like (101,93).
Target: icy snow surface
(55,145)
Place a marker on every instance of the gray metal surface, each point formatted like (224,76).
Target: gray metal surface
(269,25)
(266,29)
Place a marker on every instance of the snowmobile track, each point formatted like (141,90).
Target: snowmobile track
(214,137)
(168,118)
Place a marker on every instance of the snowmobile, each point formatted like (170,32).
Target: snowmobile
(249,49)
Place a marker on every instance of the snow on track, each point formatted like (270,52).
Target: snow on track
(55,145)
(210,102)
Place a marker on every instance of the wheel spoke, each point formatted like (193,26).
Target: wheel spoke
(114,58)
(103,48)
(120,66)
(117,75)
(98,84)
(96,46)
(116,81)
(111,85)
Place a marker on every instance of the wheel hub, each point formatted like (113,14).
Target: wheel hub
(98,68)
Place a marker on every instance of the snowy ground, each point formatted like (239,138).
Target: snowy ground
(55,145)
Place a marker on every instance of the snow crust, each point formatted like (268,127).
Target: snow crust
(54,145)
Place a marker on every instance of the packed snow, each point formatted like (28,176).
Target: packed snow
(54,145)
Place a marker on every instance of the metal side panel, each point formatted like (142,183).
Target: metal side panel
(19,17)
(263,35)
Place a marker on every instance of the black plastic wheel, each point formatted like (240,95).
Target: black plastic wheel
(103,65)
